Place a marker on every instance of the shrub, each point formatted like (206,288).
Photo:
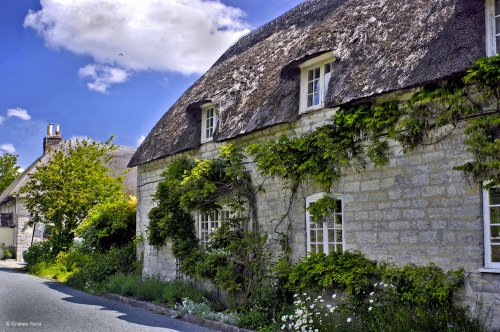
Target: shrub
(123,284)
(348,271)
(38,252)
(424,284)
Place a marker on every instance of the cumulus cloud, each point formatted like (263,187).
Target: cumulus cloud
(8,148)
(102,76)
(164,35)
(2,119)
(19,113)
(140,140)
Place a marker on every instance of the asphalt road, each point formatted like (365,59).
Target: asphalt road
(29,303)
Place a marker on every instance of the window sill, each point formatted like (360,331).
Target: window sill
(490,270)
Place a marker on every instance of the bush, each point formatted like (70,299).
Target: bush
(424,284)
(351,272)
(37,253)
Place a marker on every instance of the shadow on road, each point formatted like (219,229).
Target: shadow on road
(10,270)
(130,314)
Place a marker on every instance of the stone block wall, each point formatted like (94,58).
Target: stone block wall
(416,209)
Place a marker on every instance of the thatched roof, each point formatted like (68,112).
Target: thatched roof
(379,45)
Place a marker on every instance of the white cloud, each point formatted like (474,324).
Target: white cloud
(102,76)
(2,119)
(140,140)
(19,113)
(9,148)
(165,35)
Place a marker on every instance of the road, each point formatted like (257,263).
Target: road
(29,303)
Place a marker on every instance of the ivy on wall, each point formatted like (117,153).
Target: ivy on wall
(237,258)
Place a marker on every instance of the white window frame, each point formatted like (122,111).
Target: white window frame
(491,32)
(487,230)
(209,222)
(320,63)
(207,132)
(326,240)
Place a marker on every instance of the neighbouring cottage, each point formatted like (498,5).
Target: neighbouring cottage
(289,77)
(14,216)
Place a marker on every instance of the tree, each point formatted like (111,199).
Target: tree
(9,170)
(63,192)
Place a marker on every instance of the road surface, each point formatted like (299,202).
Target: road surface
(29,303)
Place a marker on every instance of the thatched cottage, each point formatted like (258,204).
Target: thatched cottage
(290,75)
(14,216)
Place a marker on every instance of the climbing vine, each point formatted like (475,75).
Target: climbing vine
(358,133)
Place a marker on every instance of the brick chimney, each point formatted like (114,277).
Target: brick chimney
(50,139)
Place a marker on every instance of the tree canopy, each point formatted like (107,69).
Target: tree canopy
(9,170)
(64,191)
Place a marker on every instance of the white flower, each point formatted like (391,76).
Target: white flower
(284,318)
(283,326)
(320,297)
(370,309)
(371,294)
(295,295)
(305,294)
(334,296)
(308,298)
(375,284)
(371,301)
(332,309)
(328,306)
(311,306)
(349,319)
(385,285)
(321,300)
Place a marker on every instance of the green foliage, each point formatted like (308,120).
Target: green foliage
(37,253)
(350,272)
(362,131)
(150,289)
(64,191)
(9,170)
(110,223)
(424,284)
(323,207)
(123,284)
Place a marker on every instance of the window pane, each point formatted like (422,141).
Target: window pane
(339,247)
(316,98)
(320,236)
(310,87)
(495,196)
(317,73)
(313,236)
(339,236)
(495,215)
(331,247)
(338,220)
(497,7)
(498,44)
(497,24)
(495,234)
(320,248)
(309,101)
(328,68)
(331,235)
(495,254)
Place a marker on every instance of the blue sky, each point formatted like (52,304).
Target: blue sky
(108,67)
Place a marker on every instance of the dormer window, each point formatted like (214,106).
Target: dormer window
(492,27)
(315,76)
(208,122)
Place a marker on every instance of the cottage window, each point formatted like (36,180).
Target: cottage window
(209,222)
(327,236)
(315,76)
(208,122)
(492,27)
(491,213)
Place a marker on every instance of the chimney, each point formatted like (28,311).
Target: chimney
(50,141)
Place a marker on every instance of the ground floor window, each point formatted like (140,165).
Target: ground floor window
(491,213)
(326,236)
(209,222)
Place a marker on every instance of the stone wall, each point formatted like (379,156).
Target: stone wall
(416,210)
